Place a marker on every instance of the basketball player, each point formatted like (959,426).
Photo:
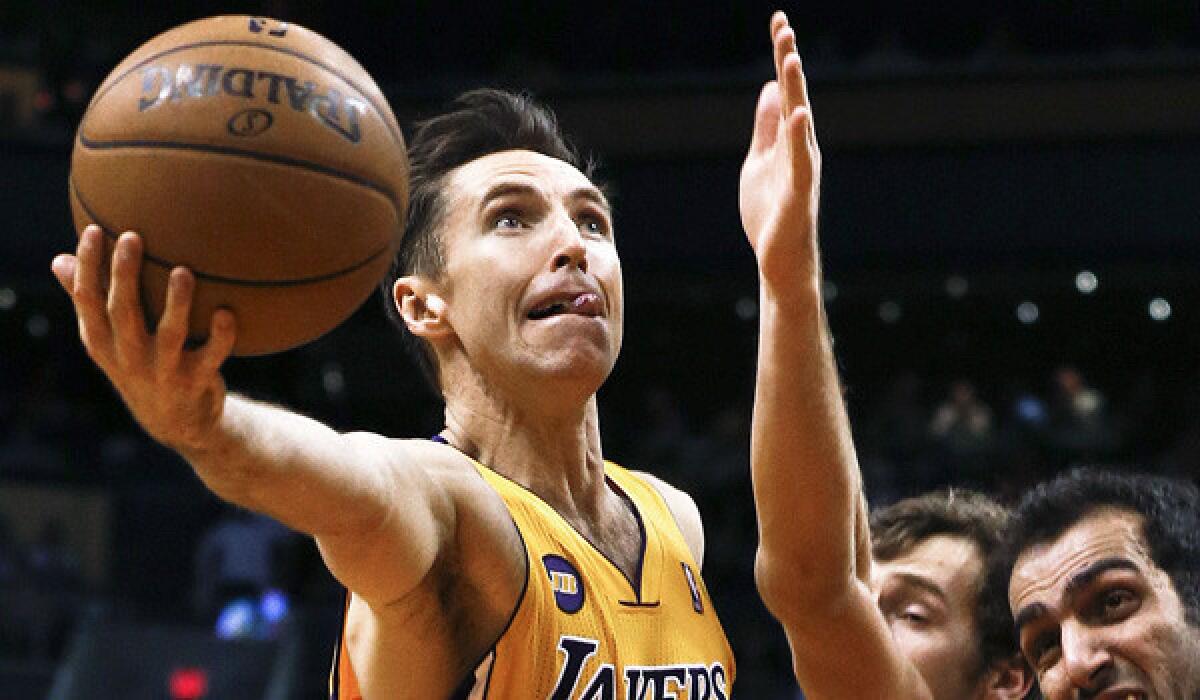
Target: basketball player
(1105,586)
(507,558)
(906,627)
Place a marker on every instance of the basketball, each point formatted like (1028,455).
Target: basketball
(261,156)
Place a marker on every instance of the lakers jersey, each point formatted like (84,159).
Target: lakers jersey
(582,630)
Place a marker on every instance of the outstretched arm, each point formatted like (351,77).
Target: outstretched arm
(812,560)
(377,515)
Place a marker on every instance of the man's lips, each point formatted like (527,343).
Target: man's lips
(577,303)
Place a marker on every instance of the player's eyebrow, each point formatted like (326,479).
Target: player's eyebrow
(1078,581)
(1027,614)
(593,195)
(505,189)
(920,582)
(1084,577)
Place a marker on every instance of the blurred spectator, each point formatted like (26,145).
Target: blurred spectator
(55,597)
(963,435)
(235,564)
(1080,426)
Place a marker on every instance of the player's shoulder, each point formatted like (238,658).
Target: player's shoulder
(443,466)
(683,508)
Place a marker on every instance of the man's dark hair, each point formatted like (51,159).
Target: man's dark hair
(1169,510)
(898,528)
(478,123)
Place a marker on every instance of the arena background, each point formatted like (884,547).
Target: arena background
(1009,225)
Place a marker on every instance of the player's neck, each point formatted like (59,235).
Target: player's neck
(555,454)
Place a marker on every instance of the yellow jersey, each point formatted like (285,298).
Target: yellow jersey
(583,631)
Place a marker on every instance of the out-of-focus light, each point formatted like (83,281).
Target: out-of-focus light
(1027,312)
(188,683)
(956,286)
(43,100)
(829,290)
(890,312)
(37,326)
(1086,282)
(238,620)
(746,308)
(333,380)
(8,299)
(1159,309)
(74,90)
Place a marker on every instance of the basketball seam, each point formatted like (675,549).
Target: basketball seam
(110,233)
(393,130)
(244,153)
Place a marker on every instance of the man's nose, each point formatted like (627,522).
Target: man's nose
(570,250)
(1086,659)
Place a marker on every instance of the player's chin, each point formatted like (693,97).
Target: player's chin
(584,361)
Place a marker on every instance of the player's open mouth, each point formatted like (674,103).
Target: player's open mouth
(578,304)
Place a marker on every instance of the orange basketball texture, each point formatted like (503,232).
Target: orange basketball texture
(261,156)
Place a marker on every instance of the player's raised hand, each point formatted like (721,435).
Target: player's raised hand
(781,176)
(176,394)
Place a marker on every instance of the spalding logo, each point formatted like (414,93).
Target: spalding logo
(250,122)
(565,582)
(340,113)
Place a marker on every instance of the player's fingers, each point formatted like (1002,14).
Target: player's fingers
(124,298)
(806,158)
(779,20)
(89,255)
(172,328)
(784,46)
(221,334)
(766,118)
(88,294)
(63,266)
(795,88)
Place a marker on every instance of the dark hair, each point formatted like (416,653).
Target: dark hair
(478,123)
(1168,509)
(900,527)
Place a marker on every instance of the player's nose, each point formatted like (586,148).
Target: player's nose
(1086,659)
(570,249)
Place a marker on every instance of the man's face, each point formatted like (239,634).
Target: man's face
(532,281)
(928,597)
(1098,618)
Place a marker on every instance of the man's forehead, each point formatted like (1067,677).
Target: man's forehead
(1045,569)
(474,178)
(946,560)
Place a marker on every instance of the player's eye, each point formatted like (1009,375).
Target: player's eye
(1042,653)
(1117,604)
(593,225)
(509,219)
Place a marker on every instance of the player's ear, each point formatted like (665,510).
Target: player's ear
(421,306)
(1009,679)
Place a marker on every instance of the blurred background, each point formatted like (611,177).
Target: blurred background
(1009,225)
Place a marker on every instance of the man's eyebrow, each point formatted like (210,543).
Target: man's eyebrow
(1027,614)
(505,189)
(1083,578)
(921,582)
(593,195)
(1080,580)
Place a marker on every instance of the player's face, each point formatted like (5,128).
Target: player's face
(532,280)
(1097,618)
(928,597)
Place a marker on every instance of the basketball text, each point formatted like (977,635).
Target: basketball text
(330,108)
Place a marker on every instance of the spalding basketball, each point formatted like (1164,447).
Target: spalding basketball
(261,156)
